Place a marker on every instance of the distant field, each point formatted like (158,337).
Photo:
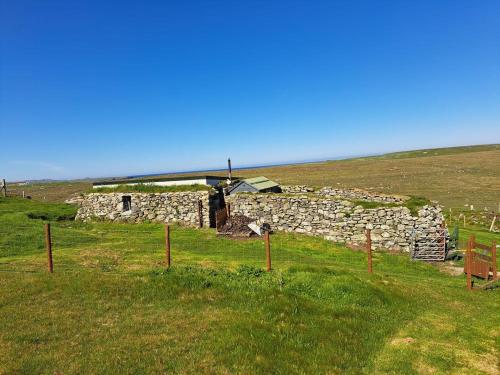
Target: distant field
(52,191)
(453,176)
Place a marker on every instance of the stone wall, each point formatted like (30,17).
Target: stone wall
(350,194)
(156,207)
(317,214)
(359,194)
(335,219)
(295,189)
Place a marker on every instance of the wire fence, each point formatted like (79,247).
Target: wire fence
(125,249)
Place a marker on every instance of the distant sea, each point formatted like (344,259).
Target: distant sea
(256,166)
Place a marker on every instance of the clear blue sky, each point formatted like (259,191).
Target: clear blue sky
(101,88)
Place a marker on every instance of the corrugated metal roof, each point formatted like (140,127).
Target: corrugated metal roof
(261,182)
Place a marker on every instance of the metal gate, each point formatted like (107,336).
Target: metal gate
(429,244)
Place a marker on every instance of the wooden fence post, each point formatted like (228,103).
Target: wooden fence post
(268,250)
(200,214)
(48,244)
(468,261)
(167,244)
(369,250)
(4,188)
(493,223)
(228,210)
(494,259)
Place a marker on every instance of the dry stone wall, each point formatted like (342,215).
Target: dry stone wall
(336,219)
(156,207)
(350,194)
(358,194)
(295,189)
(328,216)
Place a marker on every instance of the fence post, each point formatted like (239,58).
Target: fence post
(369,250)
(228,210)
(468,261)
(4,188)
(200,214)
(268,250)
(167,244)
(494,259)
(48,244)
(493,223)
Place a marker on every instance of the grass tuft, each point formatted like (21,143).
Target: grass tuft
(416,203)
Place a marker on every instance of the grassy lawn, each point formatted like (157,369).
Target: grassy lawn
(112,307)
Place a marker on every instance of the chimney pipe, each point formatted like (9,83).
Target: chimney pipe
(229,169)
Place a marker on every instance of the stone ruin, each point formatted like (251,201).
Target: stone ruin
(334,214)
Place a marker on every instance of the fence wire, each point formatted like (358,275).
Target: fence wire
(126,248)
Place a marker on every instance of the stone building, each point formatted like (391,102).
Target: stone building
(333,214)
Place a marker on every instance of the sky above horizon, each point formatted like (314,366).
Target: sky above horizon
(110,88)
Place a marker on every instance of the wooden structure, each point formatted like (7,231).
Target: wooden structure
(369,250)
(48,245)
(200,214)
(480,260)
(268,250)
(220,218)
(167,245)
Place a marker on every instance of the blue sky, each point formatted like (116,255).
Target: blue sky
(102,88)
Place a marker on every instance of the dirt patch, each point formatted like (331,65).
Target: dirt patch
(237,226)
(451,269)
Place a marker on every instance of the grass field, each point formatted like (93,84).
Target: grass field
(453,176)
(112,308)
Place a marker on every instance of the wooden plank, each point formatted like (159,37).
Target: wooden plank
(268,250)
(468,262)
(494,259)
(480,268)
(481,246)
(220,218)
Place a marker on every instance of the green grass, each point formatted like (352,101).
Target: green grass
(413,203)
(111,306)
(416,203)
(143,188)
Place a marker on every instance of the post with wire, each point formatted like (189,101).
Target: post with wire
(369,250)
(468,261)
(268,250)
(167,244)
(48,245)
